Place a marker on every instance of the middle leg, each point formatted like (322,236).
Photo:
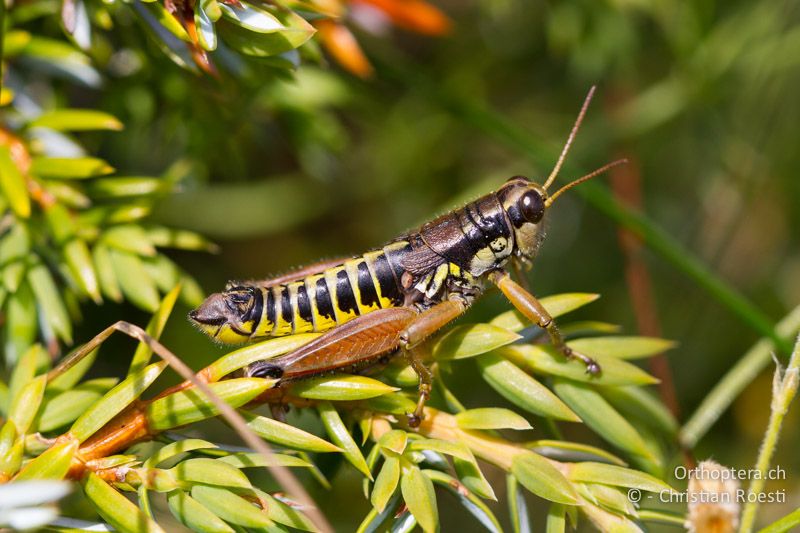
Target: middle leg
(411,342)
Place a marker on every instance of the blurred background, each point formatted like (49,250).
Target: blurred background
(281,169)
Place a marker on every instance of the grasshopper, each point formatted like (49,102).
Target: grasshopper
(392,298)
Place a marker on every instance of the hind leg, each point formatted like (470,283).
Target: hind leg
(364,339)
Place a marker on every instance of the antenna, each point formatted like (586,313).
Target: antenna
(549,201)
(571,137)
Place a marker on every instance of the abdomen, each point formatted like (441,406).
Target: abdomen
(334,296)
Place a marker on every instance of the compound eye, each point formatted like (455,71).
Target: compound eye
(531,205)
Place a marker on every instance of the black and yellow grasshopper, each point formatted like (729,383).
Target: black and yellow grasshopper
(392,298)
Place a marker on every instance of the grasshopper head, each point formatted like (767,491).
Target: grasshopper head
(229,316)
(525,203)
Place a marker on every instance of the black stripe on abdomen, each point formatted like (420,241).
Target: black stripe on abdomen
(286,305)
(387,281)
(323,298)
(366,287)
(258,307)
(270,303)
(304,304)
(345,299)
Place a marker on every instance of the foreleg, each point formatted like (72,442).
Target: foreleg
(528,305)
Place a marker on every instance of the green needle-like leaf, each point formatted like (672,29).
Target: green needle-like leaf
(154,328)
(70,168)
(679,520)
(556,519)
(572,451)
(470,474)
(547,360)
(71,377)
(230,507)
(12,184)
(256,352)
(787,523)
(21,317)
(249,460)
(50,302)
(469,501)
(115,508)
(641,405)
(67,406)
(194,515)
(164,237)
(15,244)
(517,508)
(191,405)
(491,418)
(252,18)
(210,472)
(54,463)
(401,374)
(455,449)
(286,435)
(341,388)
(556,305)
(26,404)
(4,400)
(616,475)
(395,440)
(76,120)
(341,436)
(13,274)
(76,254)
(469,340)
(167,20)
(621,347)
(13,450)
(521,389)
(129,238)
(206,32)
(128,186)
(608,497)
(134,281)
(540,477)
(115,401)
(25,369)
(385,483)
(598,414)
(608,521)
(175,448)
(106,276)
(396,404)
(418,493)
(284,514)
